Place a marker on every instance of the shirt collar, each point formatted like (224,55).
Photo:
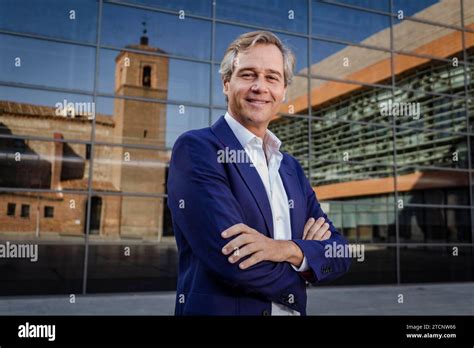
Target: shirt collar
(244,136)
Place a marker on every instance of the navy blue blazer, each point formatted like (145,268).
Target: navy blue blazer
(206,197)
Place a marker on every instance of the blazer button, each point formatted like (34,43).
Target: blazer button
(265,313)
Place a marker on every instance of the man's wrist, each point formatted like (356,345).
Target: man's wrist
(293,254)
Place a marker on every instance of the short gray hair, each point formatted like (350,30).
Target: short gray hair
(247,40)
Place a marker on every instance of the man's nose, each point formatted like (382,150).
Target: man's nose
(259,86)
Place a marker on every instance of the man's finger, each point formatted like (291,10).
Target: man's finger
(308,225)
(235,230)
(324,228)
(252,260)
(248,249)
(235,244)
(315,228)
(326,235)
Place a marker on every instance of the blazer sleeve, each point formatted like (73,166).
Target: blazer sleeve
(202,206)
(322,268)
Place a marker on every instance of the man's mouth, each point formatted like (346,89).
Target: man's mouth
(257,101)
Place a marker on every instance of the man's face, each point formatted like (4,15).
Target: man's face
(257,87)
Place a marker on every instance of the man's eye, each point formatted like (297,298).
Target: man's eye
(273,78)
(247,75)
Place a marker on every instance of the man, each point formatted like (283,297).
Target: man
(249,229)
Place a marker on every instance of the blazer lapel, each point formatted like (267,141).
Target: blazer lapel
(249,174)
(293,192)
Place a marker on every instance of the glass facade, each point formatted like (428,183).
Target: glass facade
(94,93)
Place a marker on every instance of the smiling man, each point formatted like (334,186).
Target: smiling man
(250,233)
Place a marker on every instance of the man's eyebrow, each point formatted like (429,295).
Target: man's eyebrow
(253,69)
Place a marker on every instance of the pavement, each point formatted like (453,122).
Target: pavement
(413,299)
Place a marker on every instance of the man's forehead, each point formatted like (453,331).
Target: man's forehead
(252,59)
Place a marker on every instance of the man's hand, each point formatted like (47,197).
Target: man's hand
(316,230)
(260,247)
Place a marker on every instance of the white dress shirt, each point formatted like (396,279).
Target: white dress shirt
(266,157)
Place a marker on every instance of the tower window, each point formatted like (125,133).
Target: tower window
(146,81)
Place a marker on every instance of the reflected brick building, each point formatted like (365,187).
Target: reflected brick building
(64,165)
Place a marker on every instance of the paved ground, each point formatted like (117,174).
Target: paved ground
(422,299)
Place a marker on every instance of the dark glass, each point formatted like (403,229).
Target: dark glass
(194,35)
(66,19)
(290,15)
(379,267)
(350,25)
(43,63)
(147,268)
(434,225)
(429,264)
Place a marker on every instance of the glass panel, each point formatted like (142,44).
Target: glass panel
(431,186)
(381,5)
(379,267)
(126,73)
(339,101)
(425,75)
(41,265)
(66,19)
(130,121)
(434,225)
(131,170)
(446,11)
(41,113)
(162,31)
(26,163)
(147,268)
(195,7)
(349,181)
(363,223)
(426,39)
(415,147)
(44,63)
(341,141)
(350,63)
(290,15)
(293,133)
(346,24)
(435,264)
(416,108)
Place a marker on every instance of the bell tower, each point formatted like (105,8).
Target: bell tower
(141,72)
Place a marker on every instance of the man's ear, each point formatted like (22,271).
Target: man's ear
(225,87)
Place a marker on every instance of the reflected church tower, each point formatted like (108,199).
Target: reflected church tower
(142,74)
